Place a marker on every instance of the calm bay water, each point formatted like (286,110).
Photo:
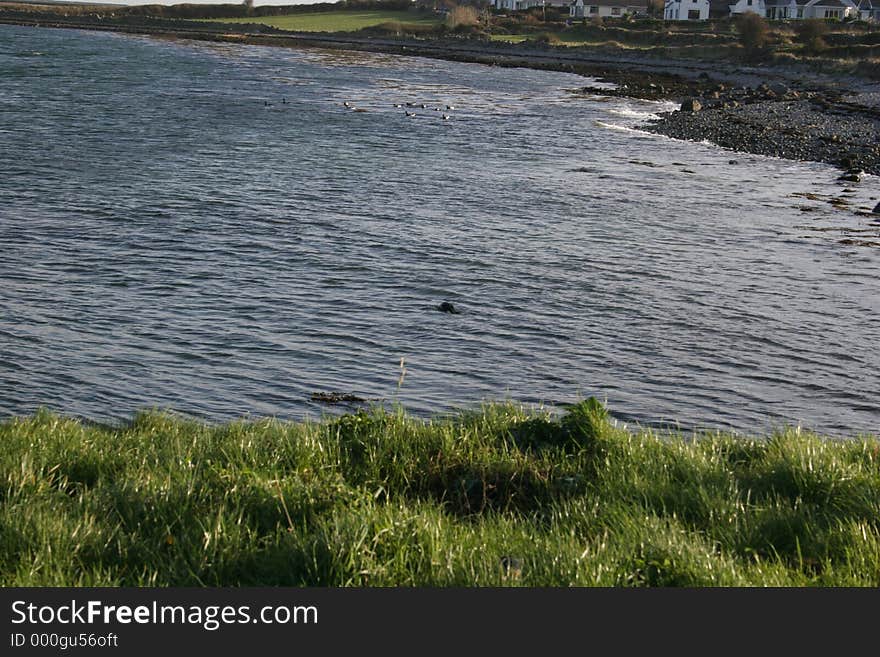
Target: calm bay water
(208,228)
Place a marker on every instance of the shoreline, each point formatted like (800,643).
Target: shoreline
(789,113)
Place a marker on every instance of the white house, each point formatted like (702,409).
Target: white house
(519,5)
(784,9)
(830,9)
(781,10)
(869,10)
(686,10)
(801,11)
(607,8)
(745,6)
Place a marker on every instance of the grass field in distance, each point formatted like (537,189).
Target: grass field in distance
(337,21)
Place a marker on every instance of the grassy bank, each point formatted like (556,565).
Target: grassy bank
(340,21)
(494,497)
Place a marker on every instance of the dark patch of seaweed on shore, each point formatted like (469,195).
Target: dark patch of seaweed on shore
(849,236)
(853,242)
(842,229)
(337,398)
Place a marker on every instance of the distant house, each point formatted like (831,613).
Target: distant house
(748,6)
(802,11)
(869,10)
(607,8)
(519,5)
(786,9)
(781,10)
(686,10)
(830,9)
(728,8)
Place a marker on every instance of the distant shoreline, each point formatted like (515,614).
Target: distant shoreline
(830,119)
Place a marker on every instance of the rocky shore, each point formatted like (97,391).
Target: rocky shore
(794,120)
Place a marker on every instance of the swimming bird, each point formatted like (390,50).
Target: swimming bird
(409,113)
(398,105)
(447,307)
(445,117)
(424,106)
(347,104)
(450,107)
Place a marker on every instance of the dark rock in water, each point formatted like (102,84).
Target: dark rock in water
(778,88)
(691,105)
(447,307)
(853,175)
(733,161)
(335,397)
(877,209)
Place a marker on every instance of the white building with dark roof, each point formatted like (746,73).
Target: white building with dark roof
(781,10)
(869,10)
(788,9)
(801,10)
(830,9)
(519,5)
(607,8)
(686,10)
(748,6)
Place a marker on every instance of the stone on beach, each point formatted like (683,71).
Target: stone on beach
(853,175)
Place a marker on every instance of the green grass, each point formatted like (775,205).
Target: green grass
(379,498)
(574,40)
(337,21)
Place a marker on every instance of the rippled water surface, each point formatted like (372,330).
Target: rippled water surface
(208,228)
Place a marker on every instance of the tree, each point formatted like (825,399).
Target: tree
(462,16)
(811,33)
(656,8)
(754,33)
